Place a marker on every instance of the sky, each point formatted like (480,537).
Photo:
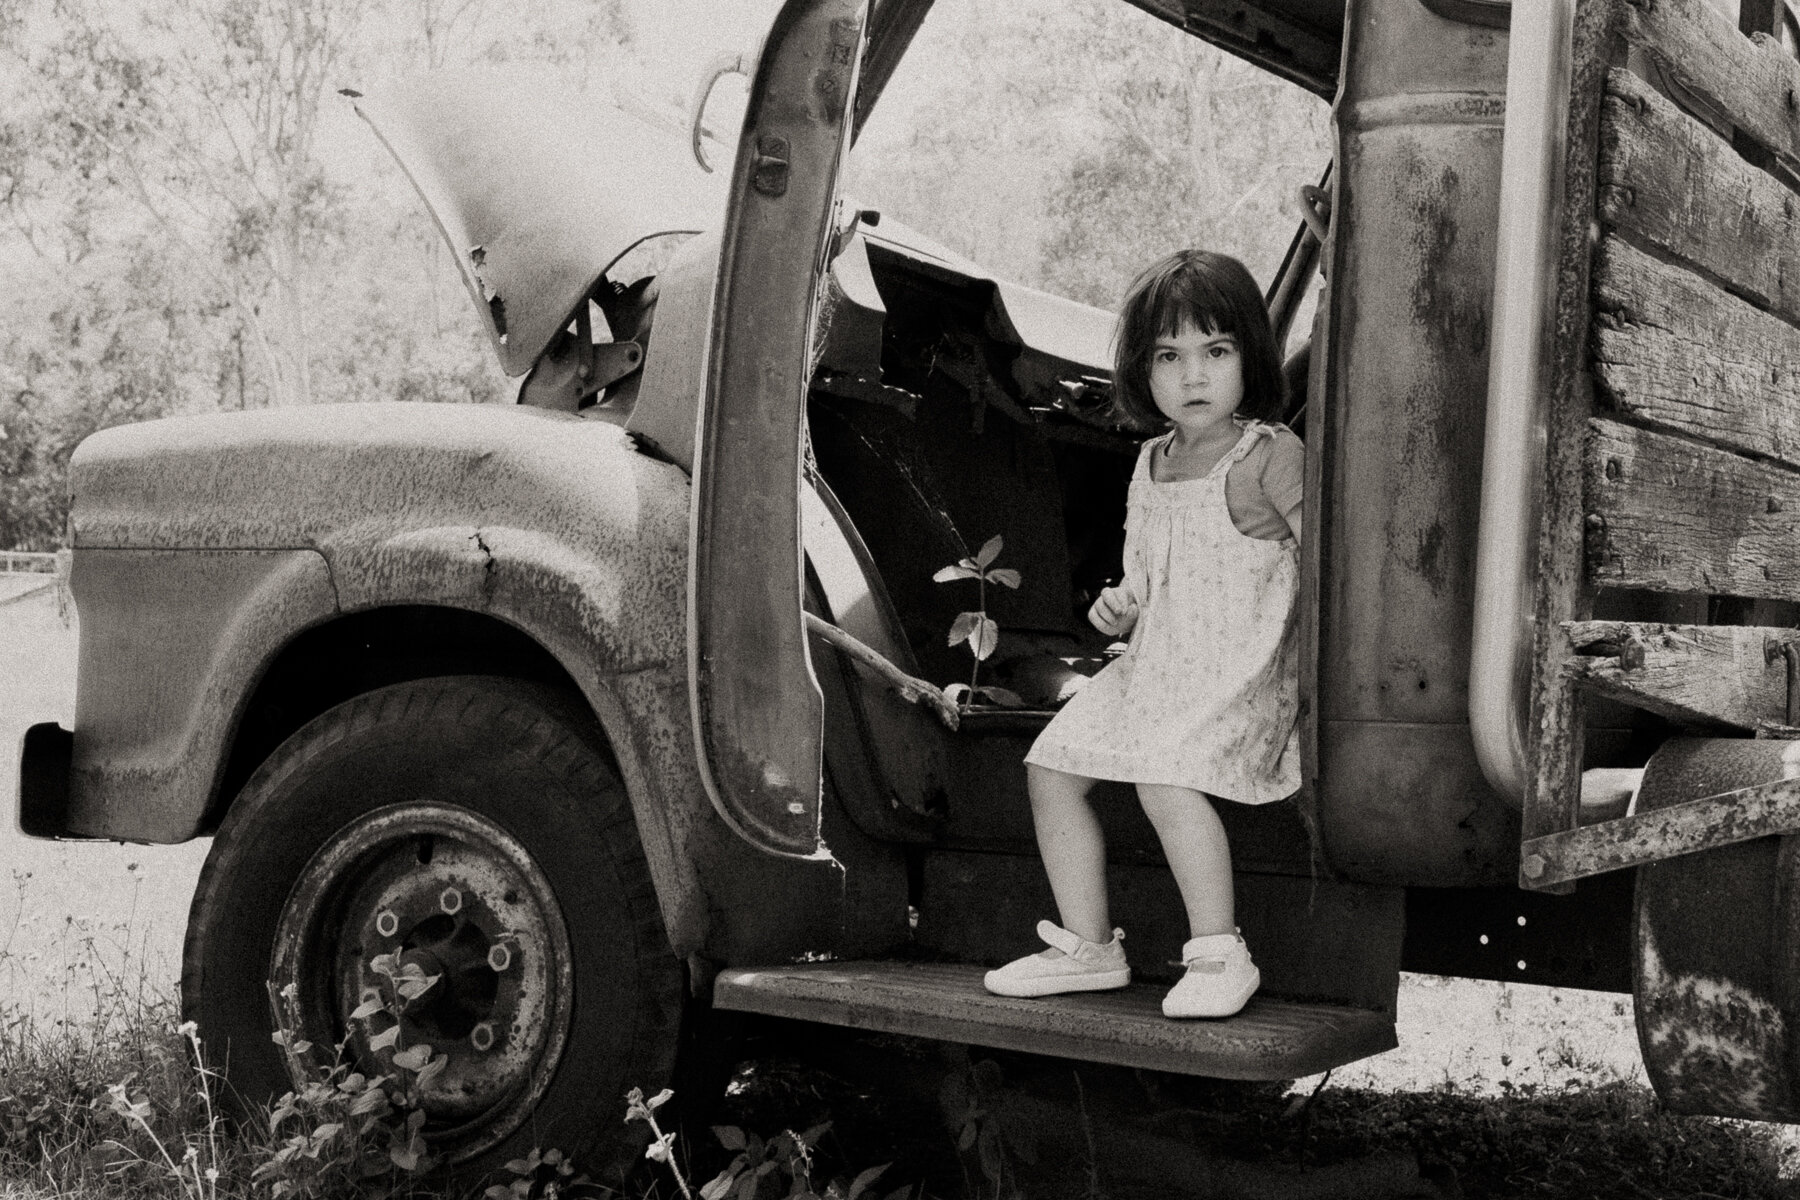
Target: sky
(680,36)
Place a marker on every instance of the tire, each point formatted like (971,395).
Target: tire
(444,819)
(1715,951)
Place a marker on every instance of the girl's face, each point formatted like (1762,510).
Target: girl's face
(1197,381)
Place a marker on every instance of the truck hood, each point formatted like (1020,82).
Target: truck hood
(537,192)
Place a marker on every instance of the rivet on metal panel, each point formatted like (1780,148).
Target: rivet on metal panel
(1534,866)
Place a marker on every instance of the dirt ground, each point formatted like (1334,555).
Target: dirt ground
(956,1121)
(1488,1077)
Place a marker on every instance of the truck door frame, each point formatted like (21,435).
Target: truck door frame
(757,709)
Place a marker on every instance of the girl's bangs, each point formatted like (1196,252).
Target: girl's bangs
(1187,295)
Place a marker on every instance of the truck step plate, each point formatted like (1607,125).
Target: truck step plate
(1270,1039)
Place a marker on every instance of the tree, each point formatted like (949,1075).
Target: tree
(1068,144)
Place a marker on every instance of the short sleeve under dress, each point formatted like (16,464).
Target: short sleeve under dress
(1206,694)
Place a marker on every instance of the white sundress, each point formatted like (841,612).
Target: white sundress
(1206,694)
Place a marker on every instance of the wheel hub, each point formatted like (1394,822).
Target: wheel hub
(441,916)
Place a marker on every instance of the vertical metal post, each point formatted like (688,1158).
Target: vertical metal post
(1537,99)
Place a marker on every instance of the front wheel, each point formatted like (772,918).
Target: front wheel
(475,828)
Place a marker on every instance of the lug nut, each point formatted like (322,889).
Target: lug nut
(499,957)
(482,1036)
(450,900)
(386,923)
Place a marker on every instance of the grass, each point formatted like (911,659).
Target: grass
(61,1133)
(110,1105)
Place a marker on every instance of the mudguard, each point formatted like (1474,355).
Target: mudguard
(205,544)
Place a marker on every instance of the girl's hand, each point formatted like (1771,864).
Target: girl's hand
(1115,612)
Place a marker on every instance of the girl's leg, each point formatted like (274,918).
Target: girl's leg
(1073,848)
(1194,842)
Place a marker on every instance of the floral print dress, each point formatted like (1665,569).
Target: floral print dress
(1206,694)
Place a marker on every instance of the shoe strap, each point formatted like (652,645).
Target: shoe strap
(1056,936)
(1202,966)
(1215,947)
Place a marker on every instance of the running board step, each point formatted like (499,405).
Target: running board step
(1270,1039)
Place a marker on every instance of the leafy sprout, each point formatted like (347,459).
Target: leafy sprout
(980,632)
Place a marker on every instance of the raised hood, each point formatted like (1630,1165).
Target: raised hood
(537,191)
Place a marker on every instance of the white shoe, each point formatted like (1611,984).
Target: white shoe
(1219,981)
(1072,964)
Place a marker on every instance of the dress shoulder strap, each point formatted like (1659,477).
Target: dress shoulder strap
(1254,432)
(1150,446)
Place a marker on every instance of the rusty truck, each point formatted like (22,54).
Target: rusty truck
(625,704)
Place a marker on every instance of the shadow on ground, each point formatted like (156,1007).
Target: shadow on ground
(967,1122)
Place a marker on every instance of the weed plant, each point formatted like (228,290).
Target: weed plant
(105,1101)
(110,1099)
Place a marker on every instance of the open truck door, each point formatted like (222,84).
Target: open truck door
(758,712)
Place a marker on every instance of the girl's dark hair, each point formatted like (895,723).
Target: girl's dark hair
(1216,293)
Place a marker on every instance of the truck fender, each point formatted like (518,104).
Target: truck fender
(572,606)
(173,642)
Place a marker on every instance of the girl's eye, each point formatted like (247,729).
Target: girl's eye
(1219,351)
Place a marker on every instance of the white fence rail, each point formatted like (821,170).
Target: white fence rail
(26,562)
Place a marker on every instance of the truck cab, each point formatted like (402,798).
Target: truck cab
(632,701)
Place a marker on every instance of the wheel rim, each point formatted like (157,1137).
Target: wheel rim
(443,888)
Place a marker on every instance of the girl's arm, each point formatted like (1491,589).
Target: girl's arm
(1284,478)
(1115,610)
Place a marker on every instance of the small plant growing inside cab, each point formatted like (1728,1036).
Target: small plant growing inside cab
(980,631)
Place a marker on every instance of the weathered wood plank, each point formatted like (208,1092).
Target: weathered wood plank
(1675,350)
(1721,820)
(1695,674)
(1753,83)
(1672,183)
(1269,1039)
(1552,798)
(1673,515)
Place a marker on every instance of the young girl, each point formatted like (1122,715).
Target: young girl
(1202,703)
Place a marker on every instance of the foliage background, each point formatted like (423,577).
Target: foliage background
(191,220)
